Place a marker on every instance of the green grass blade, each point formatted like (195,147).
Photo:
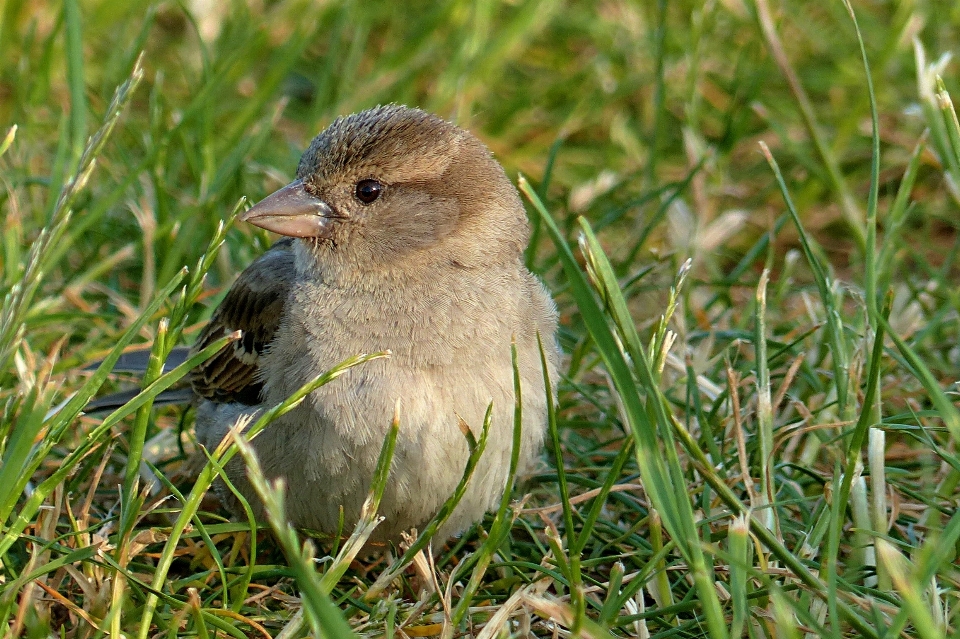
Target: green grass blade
(838,348)
(663,483)
(324,617)
(75,76)
(223,454)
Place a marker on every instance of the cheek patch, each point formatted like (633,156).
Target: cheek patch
(415,219)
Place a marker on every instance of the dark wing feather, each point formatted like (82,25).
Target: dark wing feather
(254,305)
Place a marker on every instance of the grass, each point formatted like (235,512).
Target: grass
(748,218)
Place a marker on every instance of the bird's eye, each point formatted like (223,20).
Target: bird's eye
(368,190)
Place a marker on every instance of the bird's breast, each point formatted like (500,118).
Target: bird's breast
(436,333)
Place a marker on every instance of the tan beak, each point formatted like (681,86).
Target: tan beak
(293,212)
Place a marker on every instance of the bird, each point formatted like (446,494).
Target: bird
(401,233)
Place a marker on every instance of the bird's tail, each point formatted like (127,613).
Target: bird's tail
(135,362)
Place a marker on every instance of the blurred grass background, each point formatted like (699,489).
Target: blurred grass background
(645,119)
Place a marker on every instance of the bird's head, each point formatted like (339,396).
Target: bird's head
(383,184)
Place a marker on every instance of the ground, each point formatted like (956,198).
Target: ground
(749,225)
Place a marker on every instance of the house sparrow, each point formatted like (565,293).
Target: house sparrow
(403,234)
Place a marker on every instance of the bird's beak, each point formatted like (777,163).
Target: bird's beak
(293,212)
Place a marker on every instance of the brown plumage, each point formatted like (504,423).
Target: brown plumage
(406,236)
(254,305)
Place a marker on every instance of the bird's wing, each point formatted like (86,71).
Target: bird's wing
(254,305)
